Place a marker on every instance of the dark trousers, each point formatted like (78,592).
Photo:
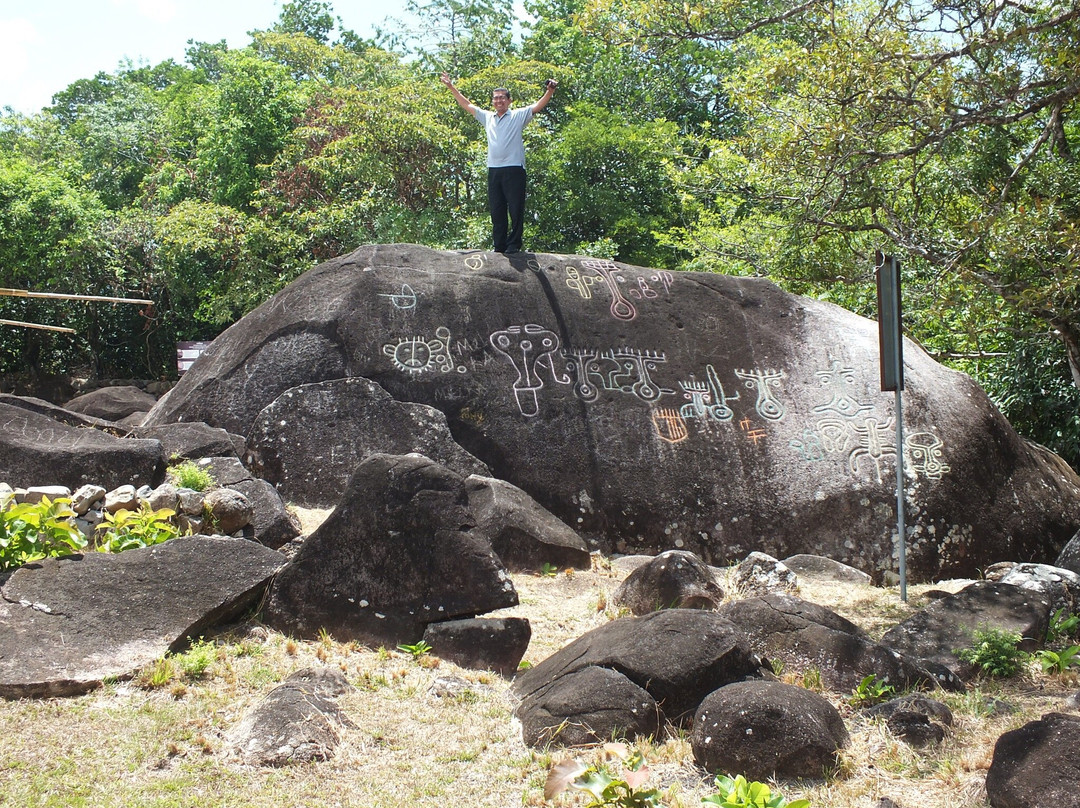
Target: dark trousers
(506,195)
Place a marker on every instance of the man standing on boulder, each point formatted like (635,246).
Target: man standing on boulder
(505,159)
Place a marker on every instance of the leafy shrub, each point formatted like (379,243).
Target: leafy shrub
(192,475)
(32,531)
(126,530)
(620,791)
(871,691)
(740,793)
(1059,661)
(196,659)
(1062,626)
(995,651)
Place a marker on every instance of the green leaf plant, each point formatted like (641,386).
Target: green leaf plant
(871,691)
(32,531)
(995,651)
(127,530)
(1059,661)
(738,792)
(621,790)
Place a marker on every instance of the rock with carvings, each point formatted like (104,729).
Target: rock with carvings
(653,410)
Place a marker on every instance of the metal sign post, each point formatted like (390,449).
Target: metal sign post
(891,349)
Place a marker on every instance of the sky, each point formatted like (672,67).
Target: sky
(45,45)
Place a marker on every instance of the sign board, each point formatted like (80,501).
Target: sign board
(890,325)
(187,353)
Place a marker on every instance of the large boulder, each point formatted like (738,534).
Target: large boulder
(112,403)
(311,438)
(935,633)
(651,409)
(400,551)
(677,655)
(804,635)
(68,623)
(37,449)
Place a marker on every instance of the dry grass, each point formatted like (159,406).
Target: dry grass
(132,745)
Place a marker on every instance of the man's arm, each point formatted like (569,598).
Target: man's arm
(463,102)
(550,86)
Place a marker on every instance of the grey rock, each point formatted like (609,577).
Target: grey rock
(1036,765)
(272,524)
(308,441)
(191,441)
(68,623)
(761,574)
(399,552)
(587,706)
(652,410)
(123,498)
(819,568)
(915,728)
(485,643)
(767,729)
(931,708)
(112,403)
(674,579)
(164,496)
(297,722)
(524,534)
(677,655)
(228,510)
(1061,585)
(191,502)
(35,448)
(35,493)
(936,632)
(1069,557)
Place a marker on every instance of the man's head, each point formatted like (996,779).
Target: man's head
(500,99)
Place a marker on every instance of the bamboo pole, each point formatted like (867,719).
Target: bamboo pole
(38,325)
(58,296)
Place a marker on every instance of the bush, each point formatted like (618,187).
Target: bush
(126,530)
(193,476)
(995,651)
(32,531)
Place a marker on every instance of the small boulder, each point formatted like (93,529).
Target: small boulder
(820,568)
(112,403)
(523,533)
(589,705)
(193,440)
(1036,765)
(1069,558)
(675,579)
(915,728)
(761,574)
(767,729)
(228,510)
(1061,585)
(485,643)
(297,722)
(272,524)
(124,498)
(936,632)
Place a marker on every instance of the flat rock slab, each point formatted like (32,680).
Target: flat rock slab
(66,624)
(35,448)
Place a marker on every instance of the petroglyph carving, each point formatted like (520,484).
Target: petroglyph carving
(474,261)
(632,373)
(415,355)
(753,434)
(840,382)
(809,446)
(528,347)
(707,399)
(669,424)
(582,362)
(582,284)
(873,444)
(404,300)
(923,451)
(621,308)
(767,405)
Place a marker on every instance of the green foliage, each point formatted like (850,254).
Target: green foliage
(32,531)
(127,530)
(191,475)
(605,789)
(739,793)
(549,570)
(416,650)
(197,658)
(1062,626)
(1059,661)
(995,651)
(871,691)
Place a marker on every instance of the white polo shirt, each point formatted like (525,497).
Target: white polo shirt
(505,146)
